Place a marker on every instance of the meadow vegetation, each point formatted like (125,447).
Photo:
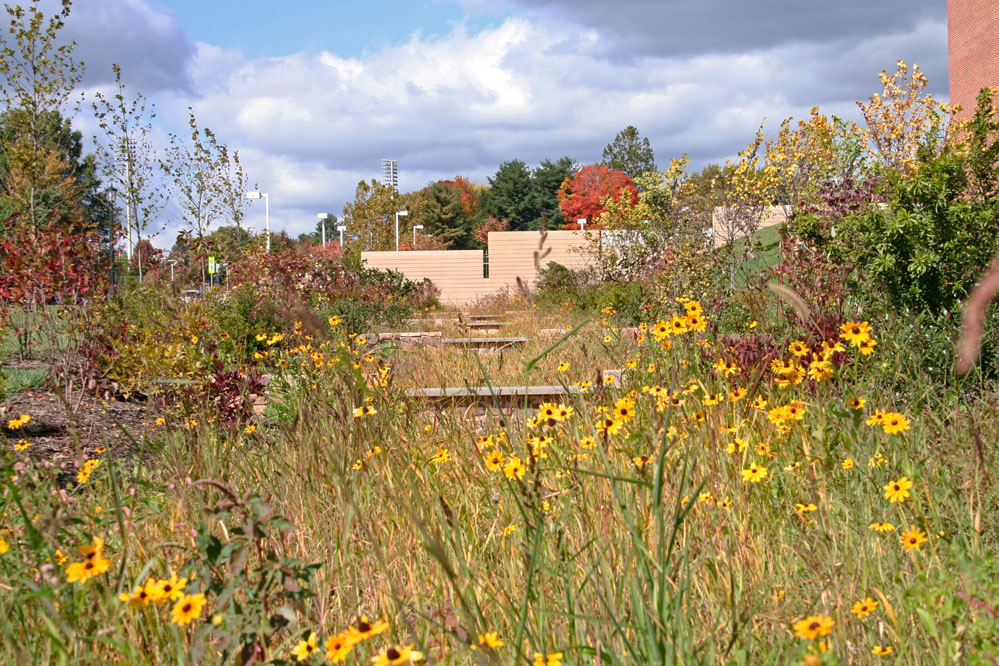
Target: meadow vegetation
(789,470)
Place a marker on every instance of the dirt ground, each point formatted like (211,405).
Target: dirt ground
(56,435)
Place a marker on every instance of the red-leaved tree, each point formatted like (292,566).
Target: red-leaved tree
(586,193)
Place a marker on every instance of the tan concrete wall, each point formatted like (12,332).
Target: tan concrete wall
(458,273)
(772,215)
(514,254)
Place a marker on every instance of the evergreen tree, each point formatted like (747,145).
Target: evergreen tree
(547,179)
(630,152)
(444,217)
(511,196)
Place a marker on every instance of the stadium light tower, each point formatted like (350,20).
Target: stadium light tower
(390,173)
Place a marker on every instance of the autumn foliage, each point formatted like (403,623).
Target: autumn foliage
(585,195)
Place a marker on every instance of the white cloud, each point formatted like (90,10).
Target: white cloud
(310,125)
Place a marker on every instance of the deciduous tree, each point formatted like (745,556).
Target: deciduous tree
(128,160)
(586,194)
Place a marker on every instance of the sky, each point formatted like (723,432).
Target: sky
(313,93)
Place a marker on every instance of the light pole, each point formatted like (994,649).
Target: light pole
(323,216)
(418,226)
(172,262)
(582,223)
(398,213)
(341,228)
(254,196)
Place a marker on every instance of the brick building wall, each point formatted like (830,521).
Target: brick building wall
(972,48)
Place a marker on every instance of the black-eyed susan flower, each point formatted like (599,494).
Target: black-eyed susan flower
(514,469)
(879,526)
(587,443)
(364,410)
(894,423)
(94,563)
(737,394)
(913,539)
(712,399)
(864,608)
(897,491)
(187,609)
(855,333)
(365,629)
(396,655)
(641,461)
(803,508)
(19,422)
(857,403)
(441,456)
(624,409)
(490,640)
(143,595)
(754,473)
(867,346)
(813,627)
(798,348)
(849,463)
(608,426)
(171,589)
(338,646)
(550,659)
(495,460)
(304,649)
(725,367)
(759,403)
(882,650)
(22,444)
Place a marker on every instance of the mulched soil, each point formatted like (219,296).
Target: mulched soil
(58,436)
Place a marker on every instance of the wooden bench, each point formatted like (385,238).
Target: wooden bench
(505,395)
(484,325)
(496,343)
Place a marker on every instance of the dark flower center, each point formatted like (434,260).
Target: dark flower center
(814,625)
(88,565)
(363,627)
(168,588)
(856,331)
(897,487)
(392,654)
(186,608)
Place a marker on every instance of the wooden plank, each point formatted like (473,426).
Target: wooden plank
(484,324)
(476,342)
(479,317)
(504,395)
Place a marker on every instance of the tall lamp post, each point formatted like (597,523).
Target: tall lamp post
(323,216)
(254,196)
(341,228)
(398,213)
(418,226)
(172,262)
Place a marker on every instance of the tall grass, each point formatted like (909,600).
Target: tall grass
(676,560)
